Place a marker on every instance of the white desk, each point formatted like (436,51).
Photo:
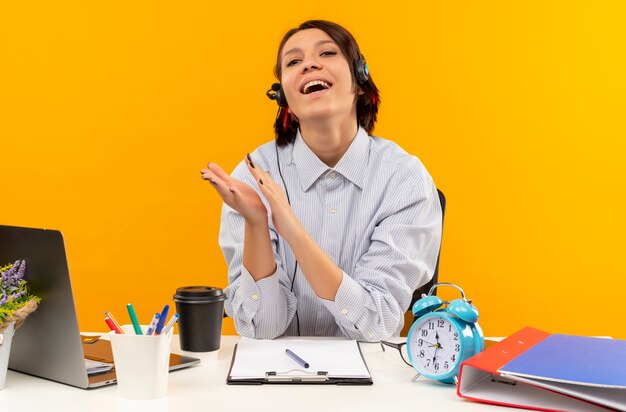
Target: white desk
(204,388)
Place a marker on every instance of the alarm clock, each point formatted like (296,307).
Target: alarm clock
(441,338)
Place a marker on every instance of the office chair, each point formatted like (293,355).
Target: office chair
(417,294)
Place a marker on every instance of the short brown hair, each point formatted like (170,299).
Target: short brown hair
(285,126)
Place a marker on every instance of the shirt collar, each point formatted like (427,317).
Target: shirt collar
(309,167)
(354,161)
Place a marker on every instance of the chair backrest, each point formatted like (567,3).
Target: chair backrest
(417,294)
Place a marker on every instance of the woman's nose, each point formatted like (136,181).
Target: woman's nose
(310,65)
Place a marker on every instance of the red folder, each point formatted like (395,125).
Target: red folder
(532,369)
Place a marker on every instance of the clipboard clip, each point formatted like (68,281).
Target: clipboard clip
(296,376)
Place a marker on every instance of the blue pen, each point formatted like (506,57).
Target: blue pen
(153,323)
(162,320)
(133,318)
(296,358)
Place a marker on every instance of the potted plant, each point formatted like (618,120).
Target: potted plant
(16,303)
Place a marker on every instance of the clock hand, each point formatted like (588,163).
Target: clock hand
(435,354)
(436,345)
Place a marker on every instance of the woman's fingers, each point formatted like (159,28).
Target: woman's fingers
(222,187)
(236,194)
(210,176)
(252,167)
(218,171)
(269,188)
(261,176)
(220,179)
(207,175)
(216,175)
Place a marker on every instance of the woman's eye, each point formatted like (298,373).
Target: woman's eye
(292,62)
(328,53)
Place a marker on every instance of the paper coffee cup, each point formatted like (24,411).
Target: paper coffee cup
(201,309)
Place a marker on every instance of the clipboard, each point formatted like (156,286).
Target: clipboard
(332,361)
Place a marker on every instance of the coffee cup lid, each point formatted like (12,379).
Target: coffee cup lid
(199,293)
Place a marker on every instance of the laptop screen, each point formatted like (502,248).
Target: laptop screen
(48,344)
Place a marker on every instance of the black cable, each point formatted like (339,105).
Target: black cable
(295,269)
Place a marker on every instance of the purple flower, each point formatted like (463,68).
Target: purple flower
(12,282)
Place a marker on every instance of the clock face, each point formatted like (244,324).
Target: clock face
(435,346)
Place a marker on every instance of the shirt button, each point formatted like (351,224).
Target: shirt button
(333,174)
(344,311)
(333,210)
(255,297)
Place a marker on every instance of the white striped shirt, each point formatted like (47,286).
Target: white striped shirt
(376,214)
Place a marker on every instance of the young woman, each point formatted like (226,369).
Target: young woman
(327,230)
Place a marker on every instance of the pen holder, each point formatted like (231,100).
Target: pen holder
(141,363)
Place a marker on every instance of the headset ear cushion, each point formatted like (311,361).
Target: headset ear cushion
(426,304)
(362,71)
(463,310)
(280,98)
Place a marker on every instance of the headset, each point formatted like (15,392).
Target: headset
(362,75)
(361,72)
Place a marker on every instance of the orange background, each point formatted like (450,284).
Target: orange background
(109,109)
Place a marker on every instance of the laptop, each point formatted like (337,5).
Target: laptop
(49,344)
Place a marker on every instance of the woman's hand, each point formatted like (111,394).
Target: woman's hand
(284,219)
(236,194)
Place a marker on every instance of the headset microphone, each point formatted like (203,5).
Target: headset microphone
(276,93)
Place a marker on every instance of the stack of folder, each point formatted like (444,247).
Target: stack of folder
(533,369)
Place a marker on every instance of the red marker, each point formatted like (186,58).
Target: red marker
(110,315)
(112,325)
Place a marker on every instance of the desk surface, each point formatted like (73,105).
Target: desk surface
(203,387)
